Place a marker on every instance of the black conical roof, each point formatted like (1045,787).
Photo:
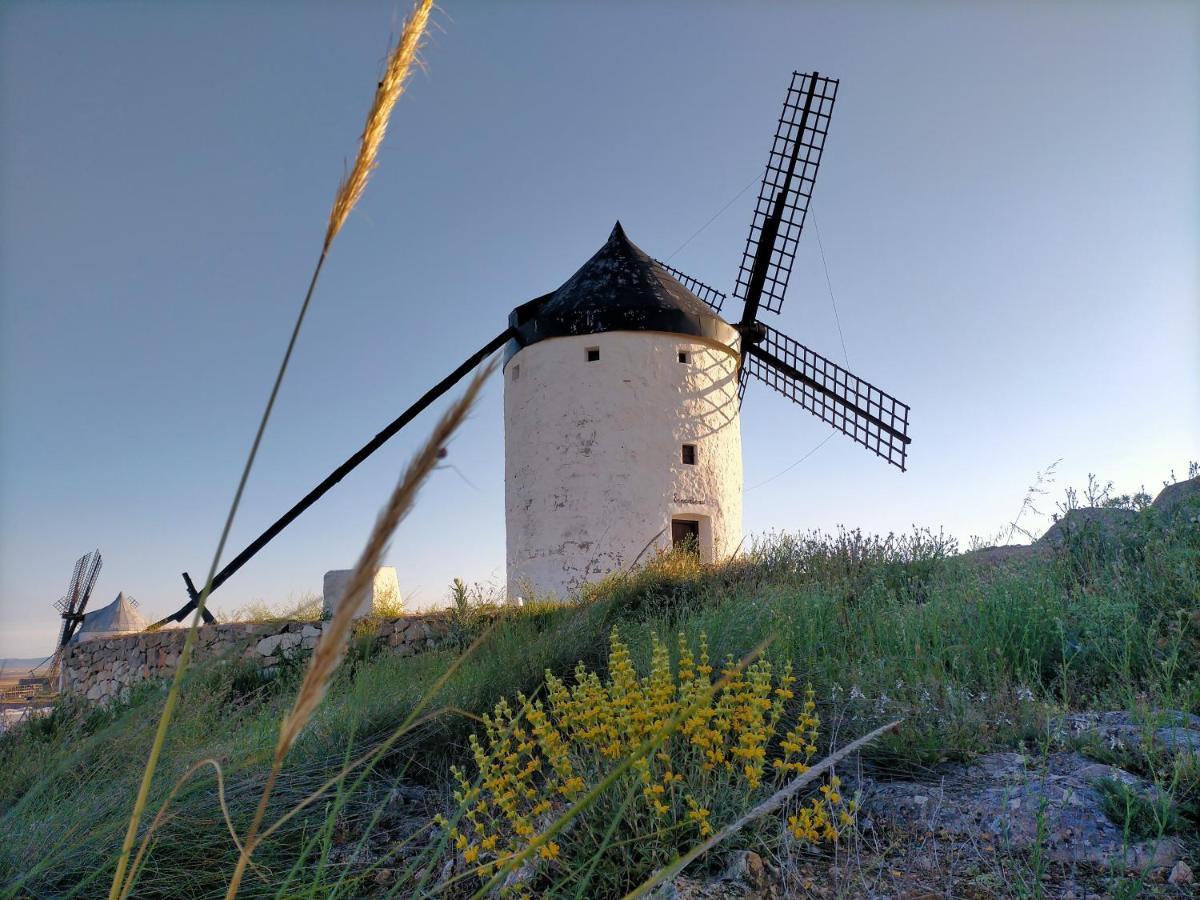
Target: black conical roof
(619,289)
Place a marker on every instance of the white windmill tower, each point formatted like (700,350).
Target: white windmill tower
(622,390)
(620,424)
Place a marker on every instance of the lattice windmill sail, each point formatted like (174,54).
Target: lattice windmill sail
(72,605)
(652,315)
(786,192)
(711,296)
(855,407)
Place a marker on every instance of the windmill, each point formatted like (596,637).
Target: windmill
(594,415)
(72,605)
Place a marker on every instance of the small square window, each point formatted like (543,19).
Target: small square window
(593,354)
(516,372)
(685,357)
(689,454)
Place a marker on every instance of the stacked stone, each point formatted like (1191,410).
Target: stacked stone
(103,669)
(410,635)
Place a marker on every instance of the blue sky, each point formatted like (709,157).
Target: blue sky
(1007,205)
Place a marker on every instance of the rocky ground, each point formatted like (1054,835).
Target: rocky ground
(1005,824)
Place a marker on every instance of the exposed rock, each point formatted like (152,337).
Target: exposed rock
(746,877)
(747,868)
(1181,874)
(1005,554)
(1111,523)
(268,645)
(1169,730)
(1173,496)
(1010,800)
(289,640)
(1178,740)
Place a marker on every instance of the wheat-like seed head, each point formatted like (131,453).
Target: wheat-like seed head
(391,86)
(328,652)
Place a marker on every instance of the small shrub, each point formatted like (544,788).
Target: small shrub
(728,744)
(308,607)
(1141,817)
(671,582)
(856,564)
(363,647)
(472,608)
(246,680)
(388,604)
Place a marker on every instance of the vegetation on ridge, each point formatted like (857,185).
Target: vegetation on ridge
(972,657)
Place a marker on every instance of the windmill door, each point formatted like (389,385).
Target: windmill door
(685,534)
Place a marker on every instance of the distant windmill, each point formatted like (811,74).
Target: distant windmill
(71,606)
(636,430)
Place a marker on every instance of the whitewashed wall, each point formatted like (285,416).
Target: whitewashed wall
(593,462)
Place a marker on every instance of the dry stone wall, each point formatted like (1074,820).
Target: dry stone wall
(104,668)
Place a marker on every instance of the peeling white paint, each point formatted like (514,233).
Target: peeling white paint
(593,469)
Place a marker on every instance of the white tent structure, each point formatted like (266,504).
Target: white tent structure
(119,617)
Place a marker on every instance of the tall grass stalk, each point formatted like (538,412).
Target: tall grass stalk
(391,86)
(388,91)
(332,645)
(162,817)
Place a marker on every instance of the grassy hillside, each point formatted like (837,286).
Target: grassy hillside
(972,656)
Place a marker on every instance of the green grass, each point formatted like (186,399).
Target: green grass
(973,659)
(1141,817)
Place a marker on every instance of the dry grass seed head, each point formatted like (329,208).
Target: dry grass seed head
(332,645)
(391,86)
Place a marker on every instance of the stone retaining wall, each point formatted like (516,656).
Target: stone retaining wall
(104,668)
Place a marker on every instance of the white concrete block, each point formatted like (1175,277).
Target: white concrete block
(385,592)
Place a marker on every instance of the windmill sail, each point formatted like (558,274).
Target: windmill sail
(68,601)
(872,418)
(79,591)
(333,478)
(89,584)
(786,191)
(710,295)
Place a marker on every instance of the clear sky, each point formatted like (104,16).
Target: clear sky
(1007,205)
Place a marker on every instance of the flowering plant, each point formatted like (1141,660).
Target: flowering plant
(714,748)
